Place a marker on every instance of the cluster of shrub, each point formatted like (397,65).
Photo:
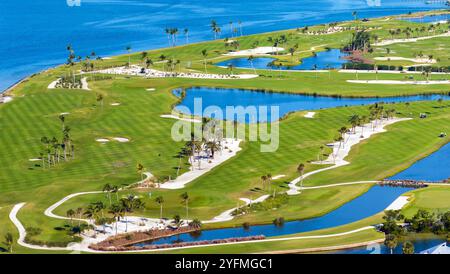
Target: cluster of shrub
(182,244)
(422,222)
(364,66)
(430,69)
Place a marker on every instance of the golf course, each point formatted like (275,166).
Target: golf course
(88,155)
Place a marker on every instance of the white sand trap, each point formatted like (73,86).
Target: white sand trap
(255,51)
(102,140)
(115,104)
(52,85)
(278,177)
(410,40)
(180,118)
(150,89)
(64,113)
(84,84)
(121,140)
(399,203)
(34,160)
(395,82)
(6,99)
(206,164)
(415,60)
(310,115)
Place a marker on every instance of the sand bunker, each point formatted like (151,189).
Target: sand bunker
(115,104)
(255,51)
(121,140)
(310,115)
(102,140)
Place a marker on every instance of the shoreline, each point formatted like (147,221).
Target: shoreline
(111,54)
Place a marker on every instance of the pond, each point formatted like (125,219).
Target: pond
(329,59)
(428,18)
(287,102)
(373,201)
(435,167)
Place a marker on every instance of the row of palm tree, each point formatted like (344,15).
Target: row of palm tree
(56,150)
(377,113)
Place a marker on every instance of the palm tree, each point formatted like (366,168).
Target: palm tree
(117,212)
(355,15)
(300,170)
(185,199)
(354,120)
(140,169)
(79,213)
(9,240)
(292,51)
(391,242)
(196,224)
(214,28)
(250,59)
(263,180)
(205,54)
(128,49)
(62,118)
(70,213)
(230,68)
(408,248)
(186,34)
(269,180)
(160,200)
(108,188)
(240,26)
(319,157)
(148,63)
(100,99)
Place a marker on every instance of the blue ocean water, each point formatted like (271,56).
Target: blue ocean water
(34,33)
